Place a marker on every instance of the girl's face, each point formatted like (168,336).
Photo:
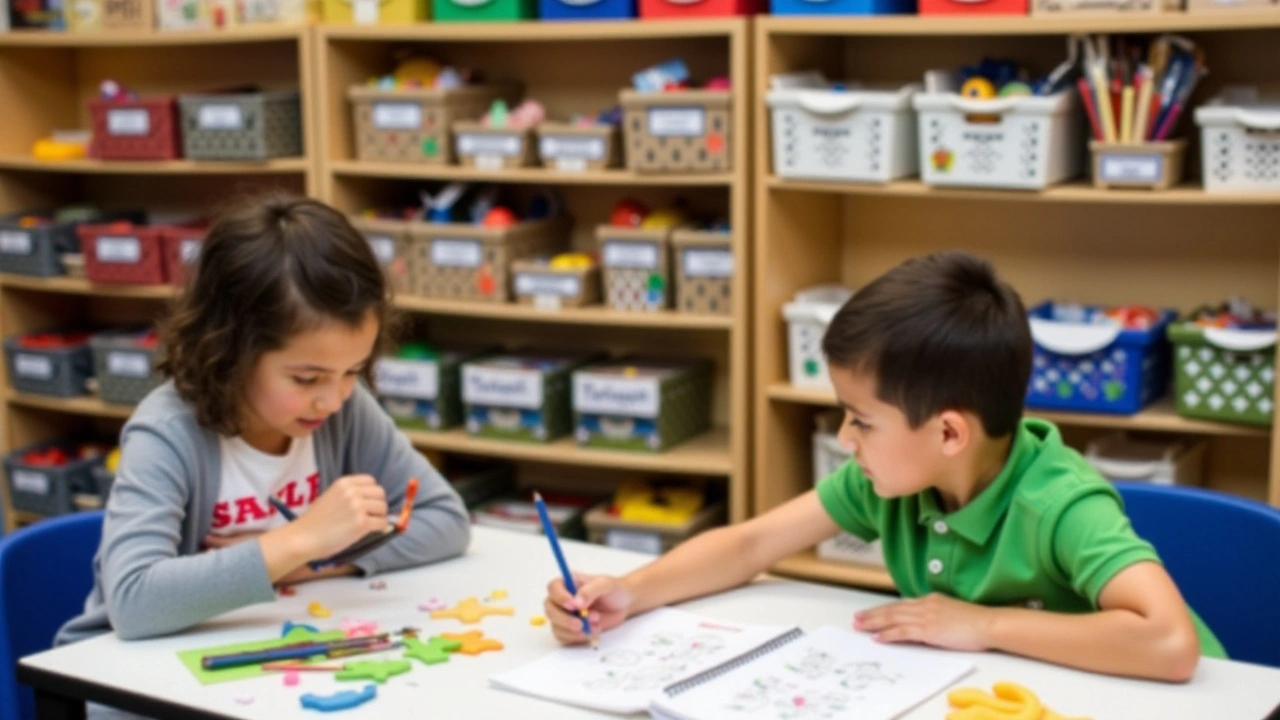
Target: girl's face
(292,390)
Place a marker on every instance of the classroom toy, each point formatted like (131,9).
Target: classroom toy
(473,642)
(292,628)
(291,678)
(538,620)
(378,671)
(498,594)
(470,611)
(434,651)
(354,627)
(1007,701)
(318,610)
(344,700)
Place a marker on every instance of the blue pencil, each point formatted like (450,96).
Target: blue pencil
(550,531)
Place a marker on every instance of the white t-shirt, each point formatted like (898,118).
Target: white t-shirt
(249,476)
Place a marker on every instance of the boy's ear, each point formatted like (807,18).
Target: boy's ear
(957,432)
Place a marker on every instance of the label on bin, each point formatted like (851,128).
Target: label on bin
(405,378)
(456,253)
(708,263)
(677,121)
(500,145)
(616,396)
(122,250)
(384,248)
(502,387)
(39,367)
(128,364)
(397,116)
(1131,168)
(632,540)
(220,117)
(548,284)
(128,122)
(365,12)
(639,255)
(31,482)
(13,242)
(562,147)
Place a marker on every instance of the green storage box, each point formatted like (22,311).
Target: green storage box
(643,405)
(421,387)
(484,10)
(1224,374)
(520,396)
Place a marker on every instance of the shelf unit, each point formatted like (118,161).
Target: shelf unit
(548,61)
(1072,242)
(45,80)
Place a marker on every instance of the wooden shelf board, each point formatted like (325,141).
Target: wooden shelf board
(952,25)
(87,405)
(162,167)
(808,566)
(707,454)
(1076,192)
(80,286)
(144,38)
(1160,416)
(535,31)
(541,176)
(598,315)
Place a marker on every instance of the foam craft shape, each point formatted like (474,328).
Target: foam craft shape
(376,670)
(470,611)
(473,642)
(289,627)
(344,700)
(436,650)
(191,658)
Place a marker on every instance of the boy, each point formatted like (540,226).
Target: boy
(999,536)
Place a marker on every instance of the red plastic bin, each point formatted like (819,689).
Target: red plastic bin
(181,249)
(699,8)
(122,253)
(142,129)
(974,7)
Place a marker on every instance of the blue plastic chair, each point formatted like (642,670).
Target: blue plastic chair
(46,572)
(1220,550)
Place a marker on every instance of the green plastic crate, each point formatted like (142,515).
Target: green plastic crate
(1222,374)
(520,397)
(641,405)
(423,390)
(484,10)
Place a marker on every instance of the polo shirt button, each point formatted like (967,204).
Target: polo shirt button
(940,527)
(935,566)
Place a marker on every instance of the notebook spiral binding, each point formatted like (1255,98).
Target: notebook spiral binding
(733,663)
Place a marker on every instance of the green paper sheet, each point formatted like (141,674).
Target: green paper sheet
(191,658)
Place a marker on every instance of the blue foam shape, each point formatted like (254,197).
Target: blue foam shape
(290,626)
(344,700)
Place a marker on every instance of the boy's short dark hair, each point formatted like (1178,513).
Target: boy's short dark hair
(939,332)
(270,267)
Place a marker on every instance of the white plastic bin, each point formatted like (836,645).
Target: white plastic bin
(1121,456)
(1240,141)
(1019,143)
(807,318)
(828,456)
(859,135)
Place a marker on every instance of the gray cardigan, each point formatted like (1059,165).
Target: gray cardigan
(150,576)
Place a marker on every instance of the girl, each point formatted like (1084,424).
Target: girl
(285,311)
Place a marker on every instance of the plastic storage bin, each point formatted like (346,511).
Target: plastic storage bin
(413,125)
(484,10)
(389,240)
(524,397)
(123,253)
(1218,6)
(828,456)
(1057,8)
(571,148)
(422,389)
(1020,143)
(586,9)
(1088,364)
(704,271)
(459,261)
(808,316)
(637,267)
(493,148)
(49,363)
(1224,374)
(841,7)
(375,12)
(1122,456)
(35,249)
(605,528)
(699,8)
(142,129)
(242,126)
(48,489)
(536,282)
(973,7)
(1240,141)
(181,251)
(685,131)
(124,363)
(852,135)
(643,405)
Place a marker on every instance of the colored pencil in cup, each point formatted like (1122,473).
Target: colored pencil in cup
(550,531)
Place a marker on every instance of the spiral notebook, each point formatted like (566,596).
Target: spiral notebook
(681,666)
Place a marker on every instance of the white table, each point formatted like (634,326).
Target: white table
(146,676)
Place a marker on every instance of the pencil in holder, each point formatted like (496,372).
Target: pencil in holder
(1145,165)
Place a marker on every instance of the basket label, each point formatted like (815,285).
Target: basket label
(506,145)
(456,253)
(404,378)
(365,12)
(708,263)
(13,242)
(129,364)
(489,162)
(384,248)
(121,250)
(397,116)
(39,367)
(677,121)
(502,387)
(644,542)
(616,396)
(547,302)
(26,481)
(1131,168)
(548,285)
(566,147)
(571,165)
(128,122)
(220,117)
(638,255)
(189,251)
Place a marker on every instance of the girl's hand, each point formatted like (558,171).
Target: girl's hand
(352,507)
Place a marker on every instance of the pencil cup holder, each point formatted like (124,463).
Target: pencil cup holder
(1147,165)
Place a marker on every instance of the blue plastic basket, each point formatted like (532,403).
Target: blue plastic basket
(1086,364)
(586,9)
(842,7)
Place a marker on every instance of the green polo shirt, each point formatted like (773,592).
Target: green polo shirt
(1049,532)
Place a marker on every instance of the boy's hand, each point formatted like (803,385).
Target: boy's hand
(935,620)
(352,507)
(606,600)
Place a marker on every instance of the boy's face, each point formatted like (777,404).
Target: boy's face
(897,459)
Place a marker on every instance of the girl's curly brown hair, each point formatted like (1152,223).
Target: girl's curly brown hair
(269,268)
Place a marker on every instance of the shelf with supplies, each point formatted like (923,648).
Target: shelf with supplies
(987,25)
(530,175)
(85,405)
(151,38)
(159,167)
(531,32)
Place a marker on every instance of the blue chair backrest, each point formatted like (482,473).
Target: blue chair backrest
(46,572)
(1221,551)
